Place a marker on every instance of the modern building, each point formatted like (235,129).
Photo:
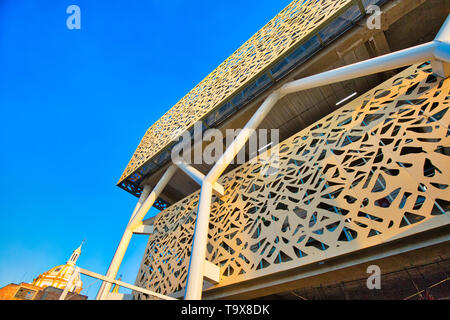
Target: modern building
(358,93)
(48,285)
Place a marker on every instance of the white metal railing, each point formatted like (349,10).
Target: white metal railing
(79,270)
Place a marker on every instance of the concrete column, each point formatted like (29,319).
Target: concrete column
(145,202)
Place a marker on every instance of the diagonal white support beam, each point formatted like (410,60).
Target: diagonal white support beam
(444,32)
(441,68)
(148,203)
(124,284)
(441,63)
(143,229)
(196,263)
(211,272)
(198,177)
(144,195)
(144,204)
(398,59)
(72,277)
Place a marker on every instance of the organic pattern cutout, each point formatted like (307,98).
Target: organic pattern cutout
(293,24)
(375,169)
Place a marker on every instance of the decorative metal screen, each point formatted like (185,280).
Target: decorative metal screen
(292,25)
(374,170)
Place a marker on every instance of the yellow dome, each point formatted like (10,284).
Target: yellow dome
(59,276)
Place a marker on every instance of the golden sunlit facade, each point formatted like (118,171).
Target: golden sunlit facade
(294,25)
(370,173)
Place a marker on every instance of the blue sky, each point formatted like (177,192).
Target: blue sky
(74,105)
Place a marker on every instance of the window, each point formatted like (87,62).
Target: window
(25,294)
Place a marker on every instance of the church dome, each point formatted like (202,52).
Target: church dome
(59,276)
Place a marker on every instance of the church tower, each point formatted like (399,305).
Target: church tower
(75,254)
(59,276)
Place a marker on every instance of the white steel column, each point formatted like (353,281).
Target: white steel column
(140,214)
(72,277)
(441,63)
(145,202)
(198,254)
(124,284)
(444,32)
(122,247)
(198,177)
(387,62)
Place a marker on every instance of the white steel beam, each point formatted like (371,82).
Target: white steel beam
(198,177)
(123,245)
(398,59)
(441,63)
(136,219)
(143,229)
(148,203)
(444,32)
(441,68)
(196,263)
(69,282)
(211,272)
(124,284)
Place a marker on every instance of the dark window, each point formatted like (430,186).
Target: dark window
(25,294)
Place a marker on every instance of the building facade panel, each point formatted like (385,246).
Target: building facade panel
(296,23)
(373,171)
